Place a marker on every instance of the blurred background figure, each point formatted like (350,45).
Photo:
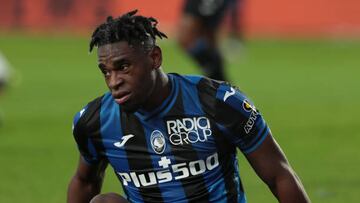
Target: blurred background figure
(198,30)
(4,79)
(4,73)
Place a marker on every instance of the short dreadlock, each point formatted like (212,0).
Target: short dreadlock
(135,29)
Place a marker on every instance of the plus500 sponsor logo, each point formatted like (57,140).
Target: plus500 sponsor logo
(170,172)
(188,130)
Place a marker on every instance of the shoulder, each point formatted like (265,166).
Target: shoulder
(88,112)
(186,79)
(213,93)
(201,83)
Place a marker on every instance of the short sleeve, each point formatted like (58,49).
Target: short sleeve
(84,143)
(240,119)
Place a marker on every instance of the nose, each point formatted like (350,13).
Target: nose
(115,80)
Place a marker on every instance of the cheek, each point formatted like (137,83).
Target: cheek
(146,83)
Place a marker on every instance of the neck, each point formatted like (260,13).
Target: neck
(160,92)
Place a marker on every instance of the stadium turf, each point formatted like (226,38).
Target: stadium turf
(307,90)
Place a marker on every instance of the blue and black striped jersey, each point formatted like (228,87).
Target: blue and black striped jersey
(183,151)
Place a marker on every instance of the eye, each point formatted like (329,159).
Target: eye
(123,67)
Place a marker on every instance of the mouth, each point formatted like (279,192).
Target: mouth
(122,98)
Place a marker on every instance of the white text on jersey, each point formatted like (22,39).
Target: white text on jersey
(188,130)
(170,172)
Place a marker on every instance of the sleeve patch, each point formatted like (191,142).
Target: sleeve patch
(240,117)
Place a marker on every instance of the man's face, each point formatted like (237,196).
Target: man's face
(129,73)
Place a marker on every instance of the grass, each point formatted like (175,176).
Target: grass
(307,90)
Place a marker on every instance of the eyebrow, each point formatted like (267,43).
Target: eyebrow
(120,62)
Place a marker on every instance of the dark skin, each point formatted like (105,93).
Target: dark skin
(136,80)
(109,198)
(133,76)
(271,165)
(86,183)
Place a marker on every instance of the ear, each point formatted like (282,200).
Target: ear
(156,56)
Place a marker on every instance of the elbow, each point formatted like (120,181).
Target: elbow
(287,187)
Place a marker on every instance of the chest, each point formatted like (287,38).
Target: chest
(186,138)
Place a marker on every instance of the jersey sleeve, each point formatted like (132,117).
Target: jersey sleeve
(239,119)
(84,143)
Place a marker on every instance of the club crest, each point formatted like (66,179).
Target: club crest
(157,141)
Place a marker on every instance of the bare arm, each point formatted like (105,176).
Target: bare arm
(86,183)
(270,163)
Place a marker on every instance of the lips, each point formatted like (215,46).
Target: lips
(121,98)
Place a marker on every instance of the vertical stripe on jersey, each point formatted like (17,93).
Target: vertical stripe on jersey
(94,127)
(213,179)
(111,133)
(194,186)
(172,191)
(139,159)
(83,143)
(207,93)
(87,130)
(229,165)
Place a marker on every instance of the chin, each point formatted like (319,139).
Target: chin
(128,108)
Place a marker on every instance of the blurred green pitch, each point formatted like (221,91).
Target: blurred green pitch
(307,90)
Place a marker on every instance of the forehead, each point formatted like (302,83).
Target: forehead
(116,49)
